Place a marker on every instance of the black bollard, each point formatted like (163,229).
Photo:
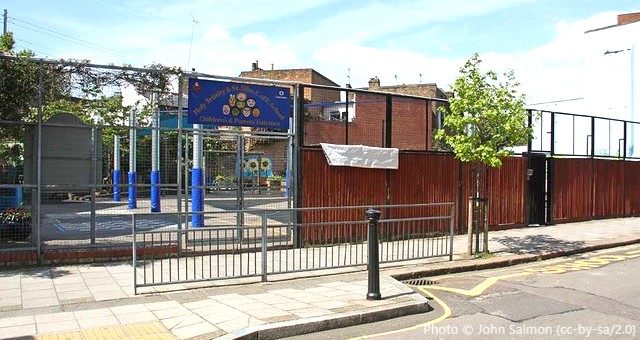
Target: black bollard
(373,216)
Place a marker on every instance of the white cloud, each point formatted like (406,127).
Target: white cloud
(215,33)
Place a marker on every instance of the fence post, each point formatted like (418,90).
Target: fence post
(197,180)
(373,291)
(155,156)
(94,183)
(132,203)
(470,208)
(298,143)
(117,195)
(39,167)
(263,238)
(133,254)
(485,225)
(452,217)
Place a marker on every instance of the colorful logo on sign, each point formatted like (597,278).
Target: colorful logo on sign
(238,104)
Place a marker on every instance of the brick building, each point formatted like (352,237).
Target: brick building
(362,119)
(277,150)
(303,75)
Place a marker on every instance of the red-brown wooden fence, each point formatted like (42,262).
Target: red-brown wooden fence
(582,189)
(585,189)
(421,177)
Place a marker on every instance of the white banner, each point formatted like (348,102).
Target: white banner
(360,156)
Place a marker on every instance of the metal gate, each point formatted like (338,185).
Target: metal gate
(536,180)
(242,170)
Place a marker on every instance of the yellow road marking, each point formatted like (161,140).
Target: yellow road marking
(583,264)
(481,287)
(445,315)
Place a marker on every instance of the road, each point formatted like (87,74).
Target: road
(590,296)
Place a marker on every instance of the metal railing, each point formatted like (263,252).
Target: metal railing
(332,237)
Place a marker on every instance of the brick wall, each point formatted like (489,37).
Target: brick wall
(411,124)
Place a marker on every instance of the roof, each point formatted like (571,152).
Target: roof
(284,74)
(623,19)
(421,90)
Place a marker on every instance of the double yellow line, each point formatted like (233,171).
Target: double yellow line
(584,264)
(445,315)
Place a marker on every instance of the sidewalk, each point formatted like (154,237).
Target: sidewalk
(97,302)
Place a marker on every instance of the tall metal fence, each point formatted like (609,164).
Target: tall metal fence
(84,146)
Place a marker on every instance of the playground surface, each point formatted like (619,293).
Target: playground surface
(69,222)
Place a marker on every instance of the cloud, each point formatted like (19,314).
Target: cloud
(215,33)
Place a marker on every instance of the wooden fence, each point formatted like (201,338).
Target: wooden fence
(421,177)
(578,189)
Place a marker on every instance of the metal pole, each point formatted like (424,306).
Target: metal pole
(197,180)
(134,249)
(155,156)
(373,291)
(179,159)
(94,182)
(553,135)
(240,184)
(452,217)
(132,161)
(263,238)
(529,125)
(388,121)
(346,119)
(624,143)
(117,196)
(4,25)
(298,142)
(633,98)
(39,166)
(593,136)
(187,152)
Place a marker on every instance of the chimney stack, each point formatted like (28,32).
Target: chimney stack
(254,66)
(374,83)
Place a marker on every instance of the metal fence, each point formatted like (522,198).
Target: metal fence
(265,244)
(76,160)
(568,134)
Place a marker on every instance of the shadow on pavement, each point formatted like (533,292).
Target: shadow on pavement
(535,244)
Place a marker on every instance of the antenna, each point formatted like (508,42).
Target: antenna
(194,22)
(420,75)
(349,75)
(396,76)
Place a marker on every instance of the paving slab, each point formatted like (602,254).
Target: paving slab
(98,298)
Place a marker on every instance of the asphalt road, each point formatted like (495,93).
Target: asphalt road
(590,296)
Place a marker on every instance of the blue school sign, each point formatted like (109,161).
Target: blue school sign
(238,104)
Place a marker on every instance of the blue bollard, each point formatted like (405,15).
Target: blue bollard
(197,198)
(132,191)
(155,191)
(116,186)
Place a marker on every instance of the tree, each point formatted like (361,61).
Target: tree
(485,118)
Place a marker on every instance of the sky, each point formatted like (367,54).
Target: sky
(401,41)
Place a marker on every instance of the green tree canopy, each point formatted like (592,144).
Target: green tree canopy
(72,86)
(485,117)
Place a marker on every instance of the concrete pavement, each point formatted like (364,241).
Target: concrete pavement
(72,299)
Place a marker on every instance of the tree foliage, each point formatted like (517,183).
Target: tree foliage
(72,86)
(485,117)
